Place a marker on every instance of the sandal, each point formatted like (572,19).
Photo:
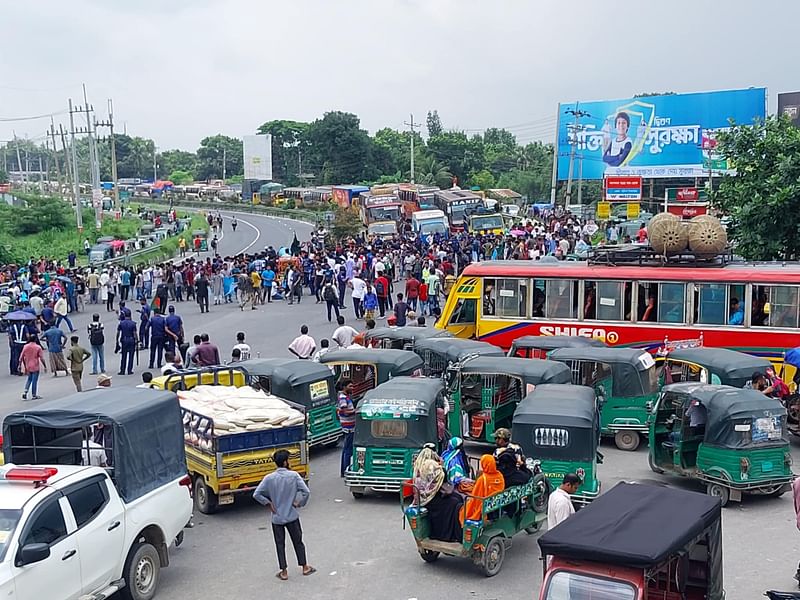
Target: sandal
(282,576)
(310,571)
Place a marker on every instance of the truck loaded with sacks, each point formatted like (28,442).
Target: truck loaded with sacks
(231,433)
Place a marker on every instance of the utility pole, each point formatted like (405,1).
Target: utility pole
(19,158)
(67,167)
(299,162)
(76,184)
(575,112)
(224,163)
(155,164)
(52,135)
(110,124)
(412,125)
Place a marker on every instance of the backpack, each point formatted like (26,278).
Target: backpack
(328,293)
(379,288)
(96,337)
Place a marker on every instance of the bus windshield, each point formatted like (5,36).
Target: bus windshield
(487,222)
(565,584)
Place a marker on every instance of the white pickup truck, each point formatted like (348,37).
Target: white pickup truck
(74,532)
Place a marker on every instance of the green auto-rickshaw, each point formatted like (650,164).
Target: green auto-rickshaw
(537,346)
(733,440)
(485,391)
(626,381)
(393,421)
(369,367)
(402,338)
(711,365)
(438,353)
(559,426)
(303,382)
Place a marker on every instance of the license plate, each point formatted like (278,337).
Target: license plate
(226,499)
(766,466)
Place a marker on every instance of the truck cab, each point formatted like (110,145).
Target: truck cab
(426,223)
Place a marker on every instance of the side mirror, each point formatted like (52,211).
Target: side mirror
(33,553)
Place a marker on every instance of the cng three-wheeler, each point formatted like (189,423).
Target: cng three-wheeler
(559,426)
(626,381)
(732,440)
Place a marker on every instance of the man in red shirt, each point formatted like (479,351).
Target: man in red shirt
(412,292)
(30,359)
(382,292)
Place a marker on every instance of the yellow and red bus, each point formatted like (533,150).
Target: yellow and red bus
(753,308)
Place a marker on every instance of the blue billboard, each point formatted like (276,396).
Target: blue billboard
(653,136)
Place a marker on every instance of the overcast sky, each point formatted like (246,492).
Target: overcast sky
(180,70)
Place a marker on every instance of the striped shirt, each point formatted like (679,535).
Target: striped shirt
(346,412)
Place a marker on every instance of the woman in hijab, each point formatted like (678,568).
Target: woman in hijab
(455,465)
(428,475)
(489,482)
(438,498)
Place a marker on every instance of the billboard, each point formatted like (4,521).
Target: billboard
(258,157)
(789,105)
(653,136)
(623,188)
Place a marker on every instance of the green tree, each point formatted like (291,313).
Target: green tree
(483,179)
(434,124)
(340,149)
(179,177)
(346,223)
(39,214)
(216,149)
(288,145)
(429,171)
(3,175)
(763,196)
(170,161)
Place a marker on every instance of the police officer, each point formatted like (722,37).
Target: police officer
(17,336)
(174,330)
(126,341)
(158,335)
(144,324)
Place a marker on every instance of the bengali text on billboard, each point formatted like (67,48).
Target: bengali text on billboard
(653,136)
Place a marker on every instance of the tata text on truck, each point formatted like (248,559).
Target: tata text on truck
(457,205)
(73,532)
(618,547)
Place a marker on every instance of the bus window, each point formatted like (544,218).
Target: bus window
(719,304)
(512,298)
(662,302)
(783,306)
(561,299)
(538,298)
(464,312)
(609,300)
(489,297)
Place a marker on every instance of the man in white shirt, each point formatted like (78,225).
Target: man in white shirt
(244,349)
(344,334)
(303,346)
(559,506)
(359,290)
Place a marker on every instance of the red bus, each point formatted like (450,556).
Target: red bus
(750,307)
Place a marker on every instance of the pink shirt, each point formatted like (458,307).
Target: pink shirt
(30,357)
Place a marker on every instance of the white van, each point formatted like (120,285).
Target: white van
(429,222)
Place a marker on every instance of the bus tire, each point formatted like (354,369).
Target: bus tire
(205,499)
(627,440)
(717,490)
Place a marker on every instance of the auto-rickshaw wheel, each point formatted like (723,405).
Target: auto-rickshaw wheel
(429,556)
(652,464)
(627,440)
(532,529)
(493,555)
(719,491)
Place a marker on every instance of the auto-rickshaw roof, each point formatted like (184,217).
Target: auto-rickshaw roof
(406,333)
(733,368)
(401,360)
(558,404)
(609,356)
(638,526)
(291,370)
(455,349)
(551,342)
(412,395)
(533,369)
(632,369)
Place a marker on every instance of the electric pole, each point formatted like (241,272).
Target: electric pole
(76,186)
(67,167)
(110,124)
(155,164)
(224,163)
(52,135)
(411,126)
(19,158)
(575,112)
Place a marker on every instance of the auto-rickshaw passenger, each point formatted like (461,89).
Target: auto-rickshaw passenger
(428,474)
(502,439)
(431,491)
(513,473)
(455,465)
(488,483)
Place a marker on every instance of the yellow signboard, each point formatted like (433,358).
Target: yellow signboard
(603,210)
(633,210)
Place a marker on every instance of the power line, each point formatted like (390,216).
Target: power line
(32,118)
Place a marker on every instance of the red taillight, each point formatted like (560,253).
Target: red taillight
(186,481)
(468,535)
(37,474)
